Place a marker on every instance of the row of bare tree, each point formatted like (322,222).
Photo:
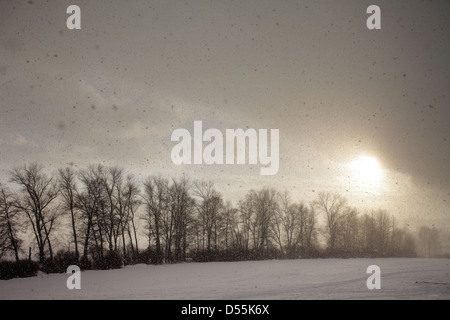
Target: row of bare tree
(351,233)
(106,210)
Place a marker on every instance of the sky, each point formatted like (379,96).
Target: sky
(114,91)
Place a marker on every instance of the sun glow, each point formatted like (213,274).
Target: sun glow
(366,172)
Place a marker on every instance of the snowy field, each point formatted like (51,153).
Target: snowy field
(278,280)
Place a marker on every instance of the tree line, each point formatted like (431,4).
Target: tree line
(107,213)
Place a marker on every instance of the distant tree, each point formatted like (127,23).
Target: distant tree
(38,192)
(90,202)
(294,227)
(408,244)
(367,234)
(429,241)
(282,223)
(132,202)
(230,229)
(305,230)
(209,208)
(128,201)
(246,218)
(155,197)
(258,209)
(333,206)
(10,224)
(68,189)
(348,231)
(181,209)
(112,179)
(384,224)
(104,206)
(169,208)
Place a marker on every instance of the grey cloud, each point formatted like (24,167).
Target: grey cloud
(309,68)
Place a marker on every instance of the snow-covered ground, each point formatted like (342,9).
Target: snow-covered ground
(278,280)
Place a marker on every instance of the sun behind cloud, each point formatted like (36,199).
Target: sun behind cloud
(365,172)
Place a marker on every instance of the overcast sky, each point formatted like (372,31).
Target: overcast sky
(114,91)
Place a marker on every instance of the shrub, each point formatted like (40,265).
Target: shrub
(7,270)
(111,260)
(147,256)
(85,264)
(48,266)
(20,269)
(27,268)
(64,259)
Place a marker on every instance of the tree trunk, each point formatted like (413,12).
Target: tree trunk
(158,240)
(75,240)
(135,237)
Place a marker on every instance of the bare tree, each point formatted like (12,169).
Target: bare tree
(282,223)
(181,207)
(9,224)
(247,213)
(402,243)
(38,193)
(367,233)
(68,188)
(103,204)
(112,179)
(90,202)
(305,227)
(429,241)
(258,210)
(209,209)
(230,225)
(156,201)
(348,230)
(132,202)
(169,209)
(294,227)
(333,207)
